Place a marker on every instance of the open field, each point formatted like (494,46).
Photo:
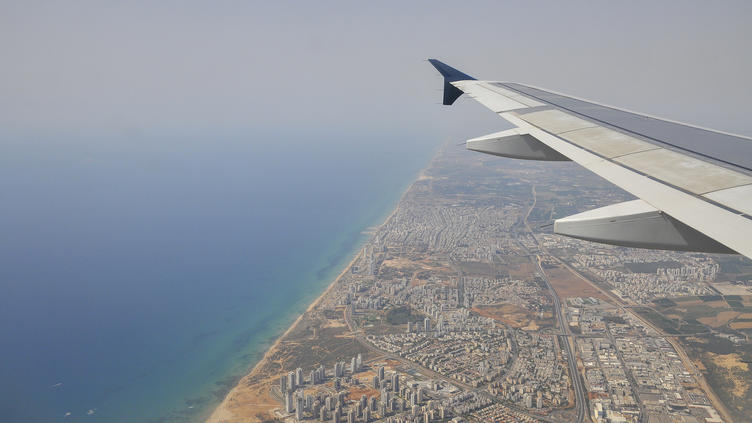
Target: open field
(520,271)
(567,284)
(720,319)
(516,316)
(713,311)
(726,368)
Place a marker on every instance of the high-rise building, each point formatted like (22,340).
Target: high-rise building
(299,377)
(322,373)
(288,402)
(315,408)
(328,403)
(375,384)
(528,400)
(359,362)
(283,383)
(409,326)
(395,382)
(354,365)
(427,325)
(420,396)
(291,381)
(299,409)
(339,369)
(381,373)
(322,414)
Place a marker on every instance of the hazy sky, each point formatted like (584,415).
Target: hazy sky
(111,66)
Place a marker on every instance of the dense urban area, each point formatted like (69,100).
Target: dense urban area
(463,306)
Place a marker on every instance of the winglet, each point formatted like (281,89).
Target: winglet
(450,74)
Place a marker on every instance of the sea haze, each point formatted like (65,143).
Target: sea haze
(142,273)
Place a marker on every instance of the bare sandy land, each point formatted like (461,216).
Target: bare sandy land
(719,319)
(568,284)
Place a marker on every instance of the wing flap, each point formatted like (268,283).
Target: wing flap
(737,198)
(606,142)
(685,172)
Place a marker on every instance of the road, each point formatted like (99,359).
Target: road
(688,363)
(428,372)
(672,339)
(574,373)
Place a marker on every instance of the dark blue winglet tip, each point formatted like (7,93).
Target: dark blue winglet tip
(450,74)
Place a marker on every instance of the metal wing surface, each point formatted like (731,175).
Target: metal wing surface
(694,184)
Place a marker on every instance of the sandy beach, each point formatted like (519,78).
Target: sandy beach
(224,411)
(234,399)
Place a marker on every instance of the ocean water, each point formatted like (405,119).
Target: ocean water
(142,273)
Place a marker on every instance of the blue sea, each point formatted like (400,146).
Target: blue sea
(143,272)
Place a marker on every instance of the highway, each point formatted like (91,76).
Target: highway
(574,373)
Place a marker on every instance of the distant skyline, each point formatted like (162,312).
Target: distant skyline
(112,66)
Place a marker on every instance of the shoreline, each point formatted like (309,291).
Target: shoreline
(221,413)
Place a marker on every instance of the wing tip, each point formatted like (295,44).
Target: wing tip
(450,74)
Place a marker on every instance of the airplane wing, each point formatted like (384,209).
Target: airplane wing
(694,184)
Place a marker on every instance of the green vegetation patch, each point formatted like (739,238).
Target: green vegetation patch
(689,326)
(735,304)
(663,322)
(402,315)
(614,319)
(664,302)
(734,297)
(684,299)
(709,298)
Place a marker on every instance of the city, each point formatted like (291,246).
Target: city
(462,307)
